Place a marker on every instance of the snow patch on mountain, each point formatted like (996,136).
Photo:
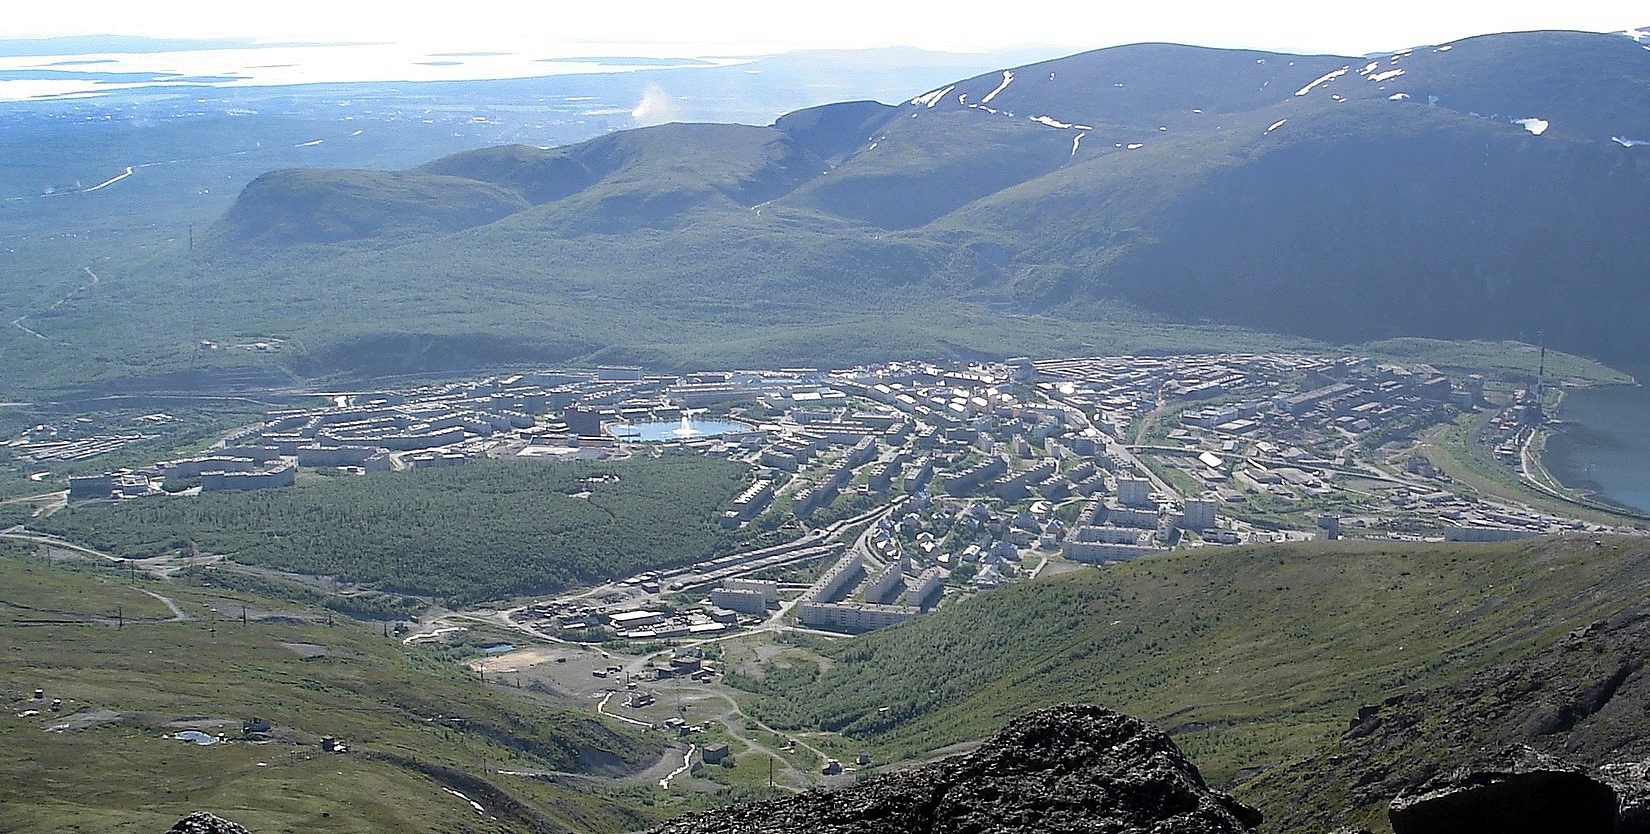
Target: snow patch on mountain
(1051,122)
(1323,79)
(1275,125)
(1386,76)
(1008,77)
(1533,125)
(1628,143)
(932,97)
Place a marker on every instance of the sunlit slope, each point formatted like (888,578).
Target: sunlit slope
(1250,656)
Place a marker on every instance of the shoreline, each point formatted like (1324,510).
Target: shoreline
(1543,478)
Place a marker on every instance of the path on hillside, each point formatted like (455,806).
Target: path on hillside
(17,534)
(177,613)
(601,707)
(687,765)
(18,322)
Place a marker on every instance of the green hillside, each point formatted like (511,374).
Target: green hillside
(130,674)
(349,205)
(1250,656)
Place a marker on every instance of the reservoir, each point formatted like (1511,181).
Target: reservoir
(1605,446)
(684,429)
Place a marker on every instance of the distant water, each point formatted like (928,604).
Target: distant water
(1605,448)
(101,73)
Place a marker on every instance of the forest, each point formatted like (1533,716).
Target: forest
(486,530)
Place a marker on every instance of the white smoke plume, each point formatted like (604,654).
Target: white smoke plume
(654,108)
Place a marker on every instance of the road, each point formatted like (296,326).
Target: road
(687,765)
(601,707)
(177,613)
(15,534)
(18,322)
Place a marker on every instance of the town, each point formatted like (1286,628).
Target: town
(909,483)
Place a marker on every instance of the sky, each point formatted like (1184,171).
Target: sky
(679,28)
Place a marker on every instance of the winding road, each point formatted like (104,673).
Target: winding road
(18,322)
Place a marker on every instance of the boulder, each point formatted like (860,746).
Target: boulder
(1631,782)
(1532,794)
(201,822)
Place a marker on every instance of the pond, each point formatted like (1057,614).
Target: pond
(684,429)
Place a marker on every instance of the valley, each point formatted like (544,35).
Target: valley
(575,453)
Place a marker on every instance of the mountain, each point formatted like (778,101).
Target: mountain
(1496,187)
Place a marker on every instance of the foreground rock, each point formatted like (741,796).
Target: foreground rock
(1538,799)
(201,822)
(1062,769)
(1580,702)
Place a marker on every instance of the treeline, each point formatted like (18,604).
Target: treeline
(486,530)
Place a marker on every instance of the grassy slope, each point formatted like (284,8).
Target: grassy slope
(381,698)
(1249,655)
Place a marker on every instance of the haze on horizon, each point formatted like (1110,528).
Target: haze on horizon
(667,28)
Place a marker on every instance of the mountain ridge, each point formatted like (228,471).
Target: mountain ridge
(1431,192)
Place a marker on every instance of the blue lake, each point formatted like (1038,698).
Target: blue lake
(1605,446)
(675,430)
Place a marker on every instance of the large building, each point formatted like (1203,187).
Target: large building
(584,422)
(1199,514)
(1134,492)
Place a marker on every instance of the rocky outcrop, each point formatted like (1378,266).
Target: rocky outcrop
(1529,794)
(1062,769)
(1581,699)
(202,822)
